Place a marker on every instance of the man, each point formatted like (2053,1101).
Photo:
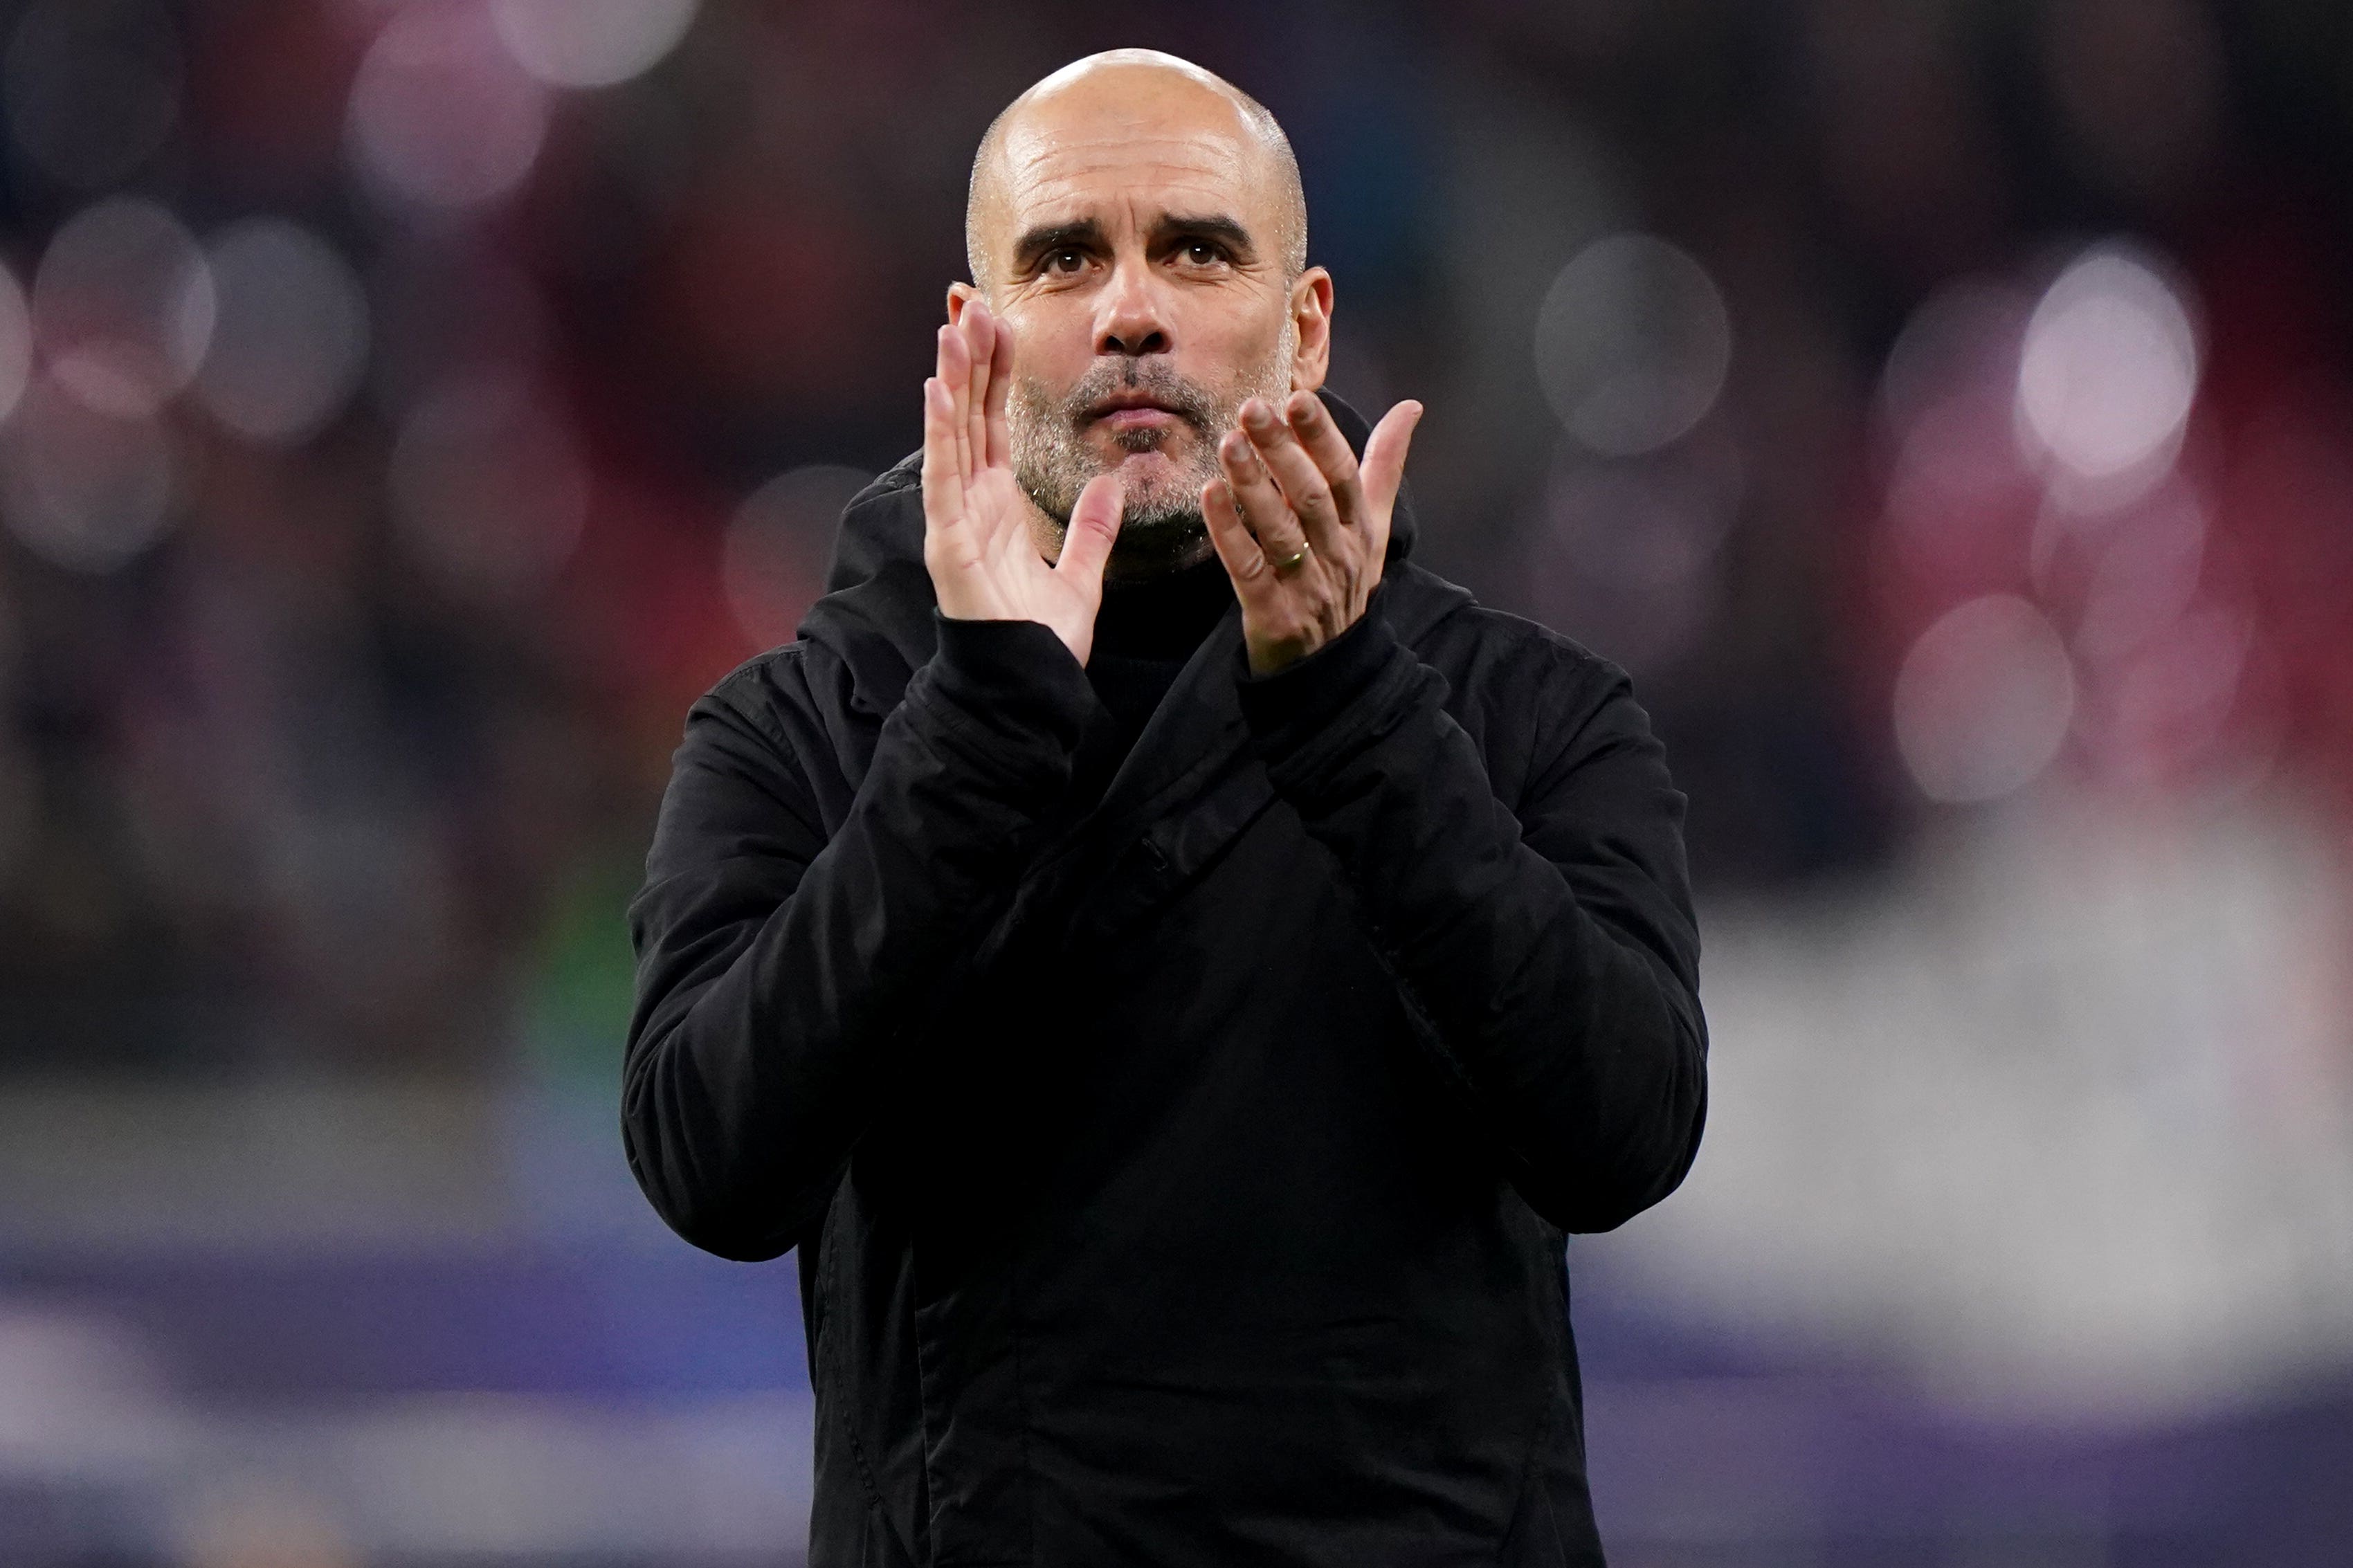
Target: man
(1176,1017)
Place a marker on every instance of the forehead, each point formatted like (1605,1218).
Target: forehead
(1067,159)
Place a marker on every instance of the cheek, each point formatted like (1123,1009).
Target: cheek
(1234,340)
(1052,346)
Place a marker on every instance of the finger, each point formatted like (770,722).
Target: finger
(956,380)
(1094,525)
(1260,503)
(1244,561)
(1295,473)
(1384,469)
(980,347)
(999,449)
(943,480)
(1320,438)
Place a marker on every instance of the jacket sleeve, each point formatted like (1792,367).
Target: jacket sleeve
(1549,955)
(778,965)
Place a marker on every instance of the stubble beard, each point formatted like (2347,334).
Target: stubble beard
(1161,524)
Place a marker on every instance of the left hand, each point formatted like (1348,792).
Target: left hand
(1301,527)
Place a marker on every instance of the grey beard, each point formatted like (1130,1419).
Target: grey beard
(1052,461)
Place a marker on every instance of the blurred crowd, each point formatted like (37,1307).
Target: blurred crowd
(410,405)
(1944,411)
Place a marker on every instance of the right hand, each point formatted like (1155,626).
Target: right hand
(977,544)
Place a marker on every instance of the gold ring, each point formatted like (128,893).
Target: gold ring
(1290,561)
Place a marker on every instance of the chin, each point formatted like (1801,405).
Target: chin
(1150,481)
(1147,466)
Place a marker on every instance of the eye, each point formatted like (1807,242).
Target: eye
(1065,261)
(1203,252)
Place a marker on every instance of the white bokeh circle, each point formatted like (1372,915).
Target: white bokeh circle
(1983,700)
(1633,344)
(590,43)
(291,337)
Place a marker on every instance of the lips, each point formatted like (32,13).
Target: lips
(1138,418)
(1129,403)
(1139,410)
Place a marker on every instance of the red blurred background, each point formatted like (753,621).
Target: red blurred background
(1944,411)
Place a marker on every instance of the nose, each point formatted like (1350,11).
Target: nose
(1132,320)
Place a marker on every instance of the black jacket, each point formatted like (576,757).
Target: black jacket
(1181,1177)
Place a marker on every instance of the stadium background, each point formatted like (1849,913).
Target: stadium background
(407,406)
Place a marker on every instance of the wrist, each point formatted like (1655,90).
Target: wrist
(1010,670)
(1324,677)
(1270,656)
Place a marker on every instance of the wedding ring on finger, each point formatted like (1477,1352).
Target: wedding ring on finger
(1290,564)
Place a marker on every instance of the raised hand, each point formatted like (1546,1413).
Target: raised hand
(1301,527)
(977,544)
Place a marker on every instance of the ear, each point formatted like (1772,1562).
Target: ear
(1310,316)
(959,296)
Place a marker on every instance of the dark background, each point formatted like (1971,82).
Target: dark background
(1942,410)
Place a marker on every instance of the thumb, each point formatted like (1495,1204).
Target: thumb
(1384,466)
(1094,524)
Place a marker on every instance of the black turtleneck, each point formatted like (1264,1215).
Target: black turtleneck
(1144,632)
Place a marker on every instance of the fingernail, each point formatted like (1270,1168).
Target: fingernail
(1255,413)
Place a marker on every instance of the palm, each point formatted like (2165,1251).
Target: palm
(977,544)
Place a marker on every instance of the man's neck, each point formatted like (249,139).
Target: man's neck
(1159,552)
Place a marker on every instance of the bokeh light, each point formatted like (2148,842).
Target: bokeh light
(590,43)
(2106,377)
(440,114)
(1961,342)
(773,561)
(1983,700)
(2162,712)
(16,343)
(2144,576)
(93,87)
(123,306)
(83,489)
(1630,550)
(488,485)
(1633,344)
(1925,402)
(1952,489)
(291,337)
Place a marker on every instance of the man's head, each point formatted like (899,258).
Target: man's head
(1138,224)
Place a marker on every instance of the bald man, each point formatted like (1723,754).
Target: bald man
(1176,970)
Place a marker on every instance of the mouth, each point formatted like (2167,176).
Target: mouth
(1133,410)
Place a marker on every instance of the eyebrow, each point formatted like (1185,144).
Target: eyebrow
(1086,233)
(1213,226)
(1047,239)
